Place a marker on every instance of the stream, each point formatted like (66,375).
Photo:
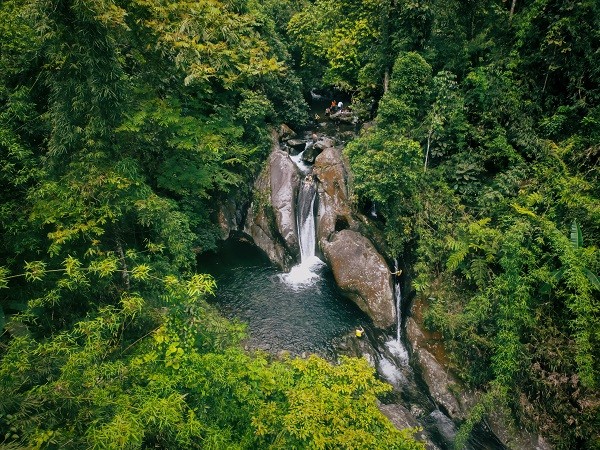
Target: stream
(303,312)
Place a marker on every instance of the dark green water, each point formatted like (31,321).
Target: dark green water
(280,315)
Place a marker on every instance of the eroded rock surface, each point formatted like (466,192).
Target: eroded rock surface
(334,204)
(362,274)
(452,395)
(285,180)
(271,220)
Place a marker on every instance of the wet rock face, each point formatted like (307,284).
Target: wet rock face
(271,220)
(362,274)
(440,382)
(285,132)
(296,145)
(285,181)
(334,205)
(452,395)
(359,270)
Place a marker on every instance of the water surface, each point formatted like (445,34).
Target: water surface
(281,314)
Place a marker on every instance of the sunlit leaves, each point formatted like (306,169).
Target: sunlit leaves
(35,270)
(201,284)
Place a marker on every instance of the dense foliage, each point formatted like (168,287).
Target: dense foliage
(123,124)
(483,162)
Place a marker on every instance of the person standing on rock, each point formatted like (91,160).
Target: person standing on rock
(359,332)
(340,106)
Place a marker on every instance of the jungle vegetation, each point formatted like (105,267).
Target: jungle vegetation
(124,123)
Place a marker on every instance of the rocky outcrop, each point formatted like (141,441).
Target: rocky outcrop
(452,395)
(344,116)
(442,384)
(359,270)
(324,142)
(296,145)
(285,180)
(362,274)
(271,220)
(334,204)
(285,132)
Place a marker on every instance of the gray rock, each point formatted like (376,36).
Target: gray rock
(440,382)
(399,416)
(296,145)
(362,275)
(286,132)
(285,180)
(271,220)
(310,154)
(344,116)
(324,142)
(448,392)
(260,223)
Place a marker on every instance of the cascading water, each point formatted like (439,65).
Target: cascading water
(396,346)
(373,211)
(306,218)
(284,315)
(398,295)
(304,272)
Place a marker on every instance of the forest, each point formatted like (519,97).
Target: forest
(124,123)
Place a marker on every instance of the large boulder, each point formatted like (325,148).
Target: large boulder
(271,220)
(296,145)
(285,182)
(324,142)
(285,132)
(362,275)
(331,171)
(345,116)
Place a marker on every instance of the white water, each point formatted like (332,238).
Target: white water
(395,346)
(304,168)
(306,272)
(373,211)
(398,298)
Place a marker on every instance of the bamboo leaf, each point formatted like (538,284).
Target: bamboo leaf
(576,235)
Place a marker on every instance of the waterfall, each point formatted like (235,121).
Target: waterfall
(304,272)
(373,211)
(305,218)
(398,298)
(396,346)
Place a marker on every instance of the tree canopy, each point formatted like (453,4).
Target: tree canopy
(124,124)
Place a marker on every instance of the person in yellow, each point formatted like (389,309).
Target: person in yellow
(359,332)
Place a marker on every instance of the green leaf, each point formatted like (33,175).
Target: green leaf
(593,279)
(576,236)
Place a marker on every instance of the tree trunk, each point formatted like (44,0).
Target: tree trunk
(386,80)
(427,151)
(512,10)
(125,272)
